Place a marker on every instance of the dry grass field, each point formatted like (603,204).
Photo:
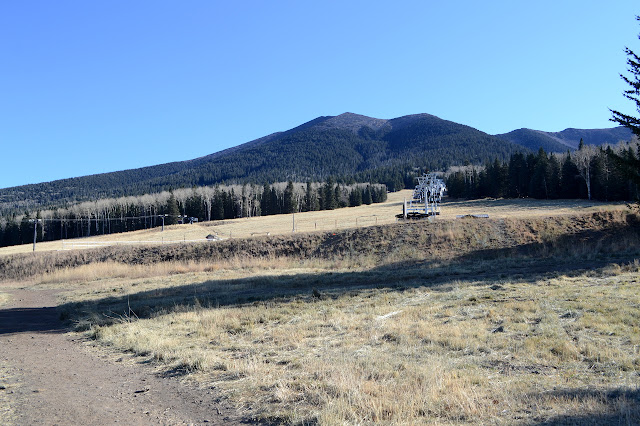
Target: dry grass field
(529,317)
(346,218)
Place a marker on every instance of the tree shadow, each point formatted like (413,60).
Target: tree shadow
(24,320)
(482,267)
(622,407)
(480,263)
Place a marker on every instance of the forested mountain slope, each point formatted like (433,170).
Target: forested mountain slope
(347,146)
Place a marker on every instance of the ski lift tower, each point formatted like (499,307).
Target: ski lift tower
(426,197)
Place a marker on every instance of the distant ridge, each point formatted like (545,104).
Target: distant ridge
(568,139)
(347,146)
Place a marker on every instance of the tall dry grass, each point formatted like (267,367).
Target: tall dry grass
(455,353)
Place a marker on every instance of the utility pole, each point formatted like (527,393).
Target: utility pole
(162,216)
(35,231)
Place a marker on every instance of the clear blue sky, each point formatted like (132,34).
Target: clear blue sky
(96,86)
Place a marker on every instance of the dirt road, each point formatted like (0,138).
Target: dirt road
(51,377)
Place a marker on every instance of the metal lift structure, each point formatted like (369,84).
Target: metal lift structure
(426,197)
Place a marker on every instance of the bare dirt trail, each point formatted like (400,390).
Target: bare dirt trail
(49,377)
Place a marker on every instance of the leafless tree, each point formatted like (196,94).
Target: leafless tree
(582,159)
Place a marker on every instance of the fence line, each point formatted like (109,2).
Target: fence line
(66,245)
(228,230)
(342,223)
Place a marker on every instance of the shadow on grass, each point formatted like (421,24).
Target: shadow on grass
(481,262)
(483,267)
(24,320)
(623,407)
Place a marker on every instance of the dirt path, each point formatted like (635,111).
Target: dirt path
(49,377)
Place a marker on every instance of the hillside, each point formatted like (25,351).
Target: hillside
(568,139)
(345,146)
(324,220)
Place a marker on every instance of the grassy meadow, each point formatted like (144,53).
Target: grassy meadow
(529,317)
(328,220)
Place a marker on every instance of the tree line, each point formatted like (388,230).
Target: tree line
(589,173)
(115,215)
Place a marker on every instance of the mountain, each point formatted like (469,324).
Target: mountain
(347,146)
(568,139)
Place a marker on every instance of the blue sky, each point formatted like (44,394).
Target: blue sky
(93,87)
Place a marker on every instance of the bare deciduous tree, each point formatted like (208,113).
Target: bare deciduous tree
(582,159)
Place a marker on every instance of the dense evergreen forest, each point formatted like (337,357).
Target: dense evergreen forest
(124,214)
(589,173)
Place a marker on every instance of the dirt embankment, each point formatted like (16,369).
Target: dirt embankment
(583,235)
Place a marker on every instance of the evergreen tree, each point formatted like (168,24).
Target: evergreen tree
(26,230)
(539,183)
(341,201)
(11,233)
(40,227)
(553,175)
(172,210)
(456,185)
(289,200)
(630,165)
(329,201)
(195,207)
(632,93)
(274,203)
(569,186)
(217,207)
(265,206)
(366,196)
(310,200)
(355,197)
(518,176)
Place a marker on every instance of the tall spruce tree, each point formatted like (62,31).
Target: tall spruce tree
(632,93)
(289,200)
(630,167)
(172,210)
(569,185)
(329,201)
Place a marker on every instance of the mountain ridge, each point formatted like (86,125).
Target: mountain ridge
(567,139)
(346,146)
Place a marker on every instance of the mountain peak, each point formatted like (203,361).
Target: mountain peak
(353,122)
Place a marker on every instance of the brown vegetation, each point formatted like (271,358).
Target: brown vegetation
(328,220)
(452,321)
(421,240)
